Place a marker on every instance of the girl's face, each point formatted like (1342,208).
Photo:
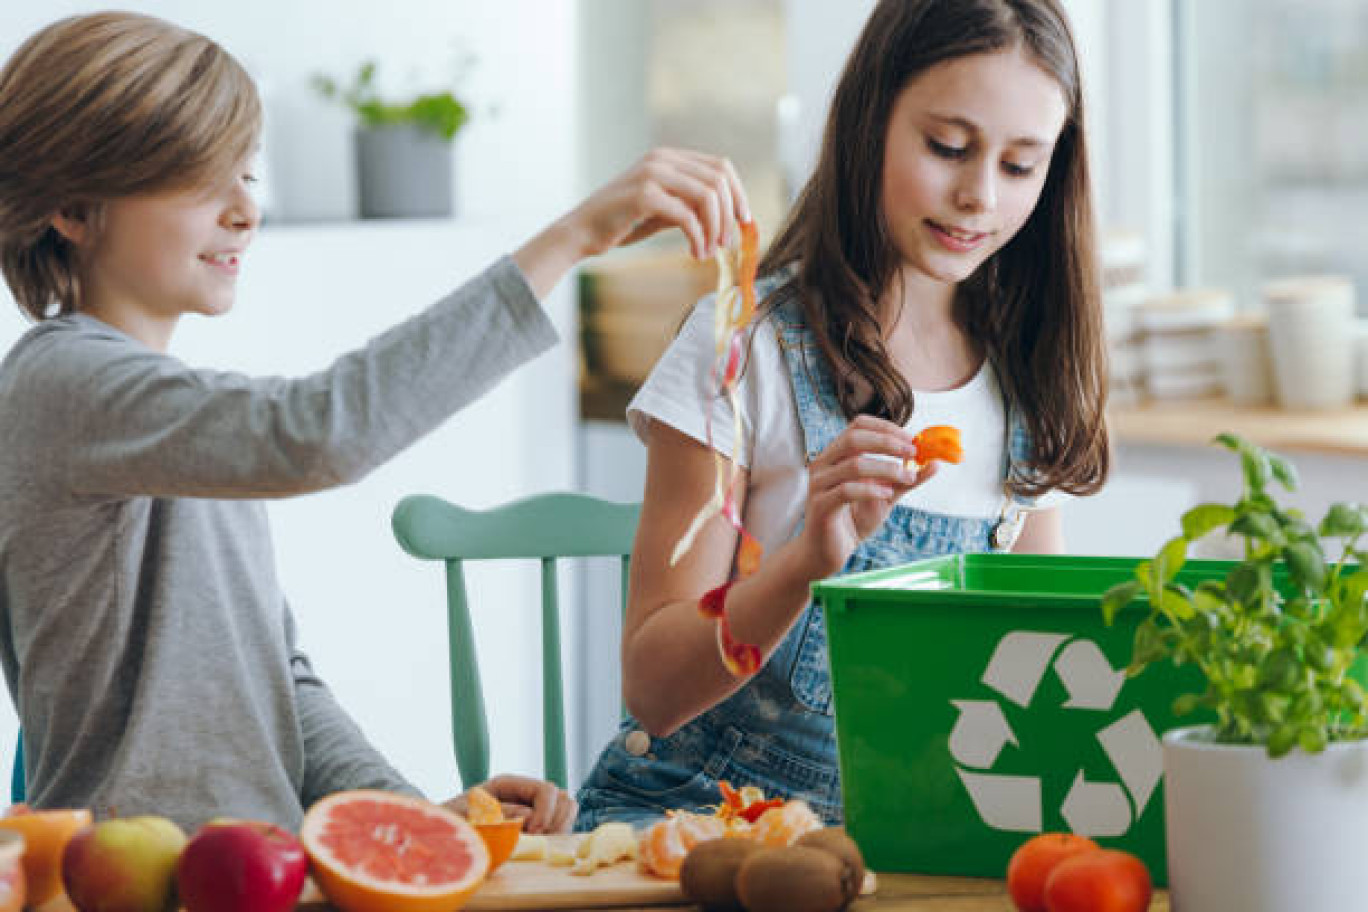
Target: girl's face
(967,153)
(160,255)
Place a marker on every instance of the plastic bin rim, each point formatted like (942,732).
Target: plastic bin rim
(870,585)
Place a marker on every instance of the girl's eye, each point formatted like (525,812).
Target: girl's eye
(941,150)
(249,178)
(1015,170)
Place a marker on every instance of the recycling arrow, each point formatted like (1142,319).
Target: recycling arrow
(1009,803)
(1088,676)
(1096,808)
(979,733)
(1135,751)
(1019,662)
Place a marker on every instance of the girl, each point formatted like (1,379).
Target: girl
(937,269)
(143,634)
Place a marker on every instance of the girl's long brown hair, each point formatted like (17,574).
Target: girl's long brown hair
(1035,306)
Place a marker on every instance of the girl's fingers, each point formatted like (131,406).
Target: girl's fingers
(886,438)
(863,467)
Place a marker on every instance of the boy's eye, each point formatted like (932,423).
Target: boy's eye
(940,149)
(249,178)
(1015,170)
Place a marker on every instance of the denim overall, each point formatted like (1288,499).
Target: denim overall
(778,731)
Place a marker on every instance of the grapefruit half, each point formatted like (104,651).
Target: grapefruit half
(381,852)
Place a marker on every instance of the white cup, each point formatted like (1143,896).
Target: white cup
(1363,359)
(1246,362)
(1311,334)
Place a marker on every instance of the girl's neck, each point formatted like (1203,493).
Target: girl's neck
(927,344)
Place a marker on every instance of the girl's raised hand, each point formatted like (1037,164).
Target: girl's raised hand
(697,193)
(852,487)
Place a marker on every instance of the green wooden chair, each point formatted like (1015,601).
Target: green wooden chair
(544,527)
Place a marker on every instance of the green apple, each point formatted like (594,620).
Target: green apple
(127,864)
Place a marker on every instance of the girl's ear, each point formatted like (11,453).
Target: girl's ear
(74,224)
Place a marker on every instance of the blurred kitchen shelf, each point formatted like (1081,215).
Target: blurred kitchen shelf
(1196,422)
(604,399)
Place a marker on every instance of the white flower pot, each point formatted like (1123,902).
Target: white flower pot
(1247,833)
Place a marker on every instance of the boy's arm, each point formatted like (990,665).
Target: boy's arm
(337,756)
(128,421)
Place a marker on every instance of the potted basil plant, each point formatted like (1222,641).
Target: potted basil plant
(404,158)
(1266,808)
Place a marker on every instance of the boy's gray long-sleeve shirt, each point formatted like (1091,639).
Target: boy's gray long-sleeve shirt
(143,633)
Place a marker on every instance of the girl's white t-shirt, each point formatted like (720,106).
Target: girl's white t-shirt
(680,388)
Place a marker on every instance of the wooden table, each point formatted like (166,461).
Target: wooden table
(916,893)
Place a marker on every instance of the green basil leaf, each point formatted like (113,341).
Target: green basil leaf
(1306,565)
(1117,598)
(1202,519)
(1345,520)
(1283,471)
(1171,559)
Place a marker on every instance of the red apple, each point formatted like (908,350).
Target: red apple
(127,864)
(241,866)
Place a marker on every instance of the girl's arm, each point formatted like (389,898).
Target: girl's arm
(1042,533)
(672,671)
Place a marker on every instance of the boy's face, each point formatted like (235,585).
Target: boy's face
(967,152)
(160,255)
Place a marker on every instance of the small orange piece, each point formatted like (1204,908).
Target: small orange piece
(500,839)
(45,837)
(482,807)
(662,848)
(375,851)
(940,441)
(782,826)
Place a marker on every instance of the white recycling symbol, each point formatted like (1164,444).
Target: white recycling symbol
(1013,803)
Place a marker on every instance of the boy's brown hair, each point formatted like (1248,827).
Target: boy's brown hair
(101,106)
(1035,305)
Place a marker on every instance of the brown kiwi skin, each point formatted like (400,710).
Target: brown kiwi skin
(838,842)
(708,875)
(793,879)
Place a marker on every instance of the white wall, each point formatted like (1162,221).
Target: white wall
(372,618)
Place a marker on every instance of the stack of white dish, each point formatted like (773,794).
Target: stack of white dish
(1178,342)
(1123,290)
(1311,329)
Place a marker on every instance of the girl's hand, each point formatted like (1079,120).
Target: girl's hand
(546,808)
(852,487)
(698,194)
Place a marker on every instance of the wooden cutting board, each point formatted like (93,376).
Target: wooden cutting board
(537,885)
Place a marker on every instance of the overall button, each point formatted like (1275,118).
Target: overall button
(637,743)
(1005,533)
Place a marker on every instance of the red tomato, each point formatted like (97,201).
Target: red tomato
(1107,880)
(1032,863)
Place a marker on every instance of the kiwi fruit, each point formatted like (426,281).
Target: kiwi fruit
(793,879)
(836,841)
(708,875)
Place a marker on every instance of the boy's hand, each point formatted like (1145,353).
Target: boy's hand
(546,808)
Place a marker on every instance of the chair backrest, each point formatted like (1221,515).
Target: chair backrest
(544,527)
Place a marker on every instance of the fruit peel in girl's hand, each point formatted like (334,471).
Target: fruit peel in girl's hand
(939,441)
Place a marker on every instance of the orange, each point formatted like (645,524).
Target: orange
(45,837)
(381,852)
(482,807)
(500,839)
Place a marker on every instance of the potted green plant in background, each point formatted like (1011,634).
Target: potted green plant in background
(1267,808)
(404,157)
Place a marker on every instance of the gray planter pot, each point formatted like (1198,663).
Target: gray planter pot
(403,172)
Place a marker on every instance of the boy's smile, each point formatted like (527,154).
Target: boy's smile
(150,258)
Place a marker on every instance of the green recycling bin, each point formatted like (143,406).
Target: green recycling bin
(980,699)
